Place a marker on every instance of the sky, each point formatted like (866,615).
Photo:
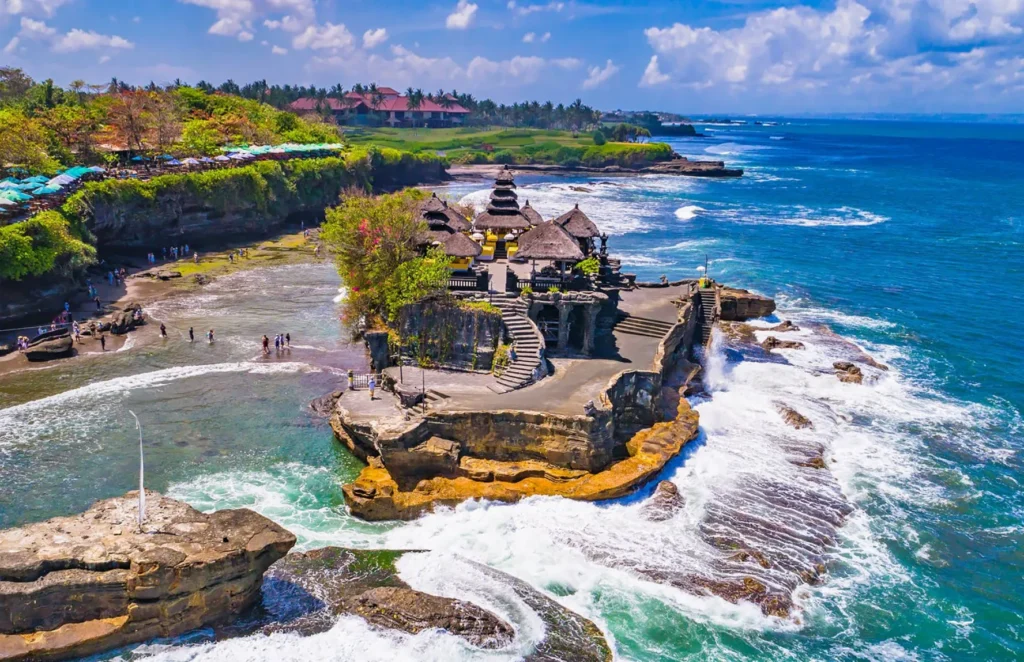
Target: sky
(688,56)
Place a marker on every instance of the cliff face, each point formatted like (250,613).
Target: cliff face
(254,199)
(445,333)
(74,586)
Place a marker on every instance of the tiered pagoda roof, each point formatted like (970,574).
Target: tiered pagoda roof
(502,211)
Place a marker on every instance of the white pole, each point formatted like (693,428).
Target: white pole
(142,489)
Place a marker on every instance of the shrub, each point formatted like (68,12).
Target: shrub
(599,138)
(44,243)
(589,266)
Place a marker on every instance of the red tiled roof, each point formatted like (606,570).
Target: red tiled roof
(388,104)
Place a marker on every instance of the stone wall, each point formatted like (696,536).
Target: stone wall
(447,334)
(632,397)
(575,442)
(678,342)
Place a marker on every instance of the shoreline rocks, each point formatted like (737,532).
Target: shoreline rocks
(742,305)
(365,583)
(771,342)
(848,373)
(79,585)
(794,418)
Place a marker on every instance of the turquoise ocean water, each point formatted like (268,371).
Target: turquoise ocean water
(903,238)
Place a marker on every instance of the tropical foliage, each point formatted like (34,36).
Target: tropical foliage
(374,242)
(43,126)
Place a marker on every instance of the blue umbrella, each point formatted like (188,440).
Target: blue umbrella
(173,162)
(139,158)
(9,185)
(221,157)
(207,159)
(17,196)
(46,190)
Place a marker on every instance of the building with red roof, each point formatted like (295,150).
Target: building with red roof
(385,107)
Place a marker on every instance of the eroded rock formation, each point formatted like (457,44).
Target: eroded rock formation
(305,592)
(741,305)
(771,342)
(848,373)
(74,586)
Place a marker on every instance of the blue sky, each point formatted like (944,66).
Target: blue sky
(728,56)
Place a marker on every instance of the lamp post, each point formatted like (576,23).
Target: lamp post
(142,488)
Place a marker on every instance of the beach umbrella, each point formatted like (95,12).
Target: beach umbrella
(190,161)
(166,157)
(174,162)
(76,172)
(237,156)
(221,157)
(37,178)
(206,159)
(60,180)
(138,158)
(97,169)
(12,185)
(4,202)
(46,190)
(17,196)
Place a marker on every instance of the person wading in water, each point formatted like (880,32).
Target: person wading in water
(209,336)
(266,344)
(163,330)
(191,335)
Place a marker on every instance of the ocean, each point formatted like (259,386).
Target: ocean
(899,239)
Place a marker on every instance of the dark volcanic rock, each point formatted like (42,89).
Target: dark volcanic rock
(411,611)
(848,372)
(793,417)
(125,321)
(75,586)
(664,504)
(771,342)
(324,405)
(785,326)
(305,592)
(51,347)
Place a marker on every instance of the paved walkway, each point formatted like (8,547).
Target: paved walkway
(577,381)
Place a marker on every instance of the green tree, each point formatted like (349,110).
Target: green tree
(198,138)
(599,138)
(23,142)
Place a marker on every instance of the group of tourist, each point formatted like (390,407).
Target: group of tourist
(282,341)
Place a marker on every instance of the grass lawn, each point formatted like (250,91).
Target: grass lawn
(503,145)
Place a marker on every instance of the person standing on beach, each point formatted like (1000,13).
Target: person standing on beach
(288,339)
(78,332)
(196,258)
(277,343)
(103,343)
(266,345)
(191,335)
(163,330)
(372,384)
(97,300)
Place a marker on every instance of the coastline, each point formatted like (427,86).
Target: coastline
(146,286)
(679,167)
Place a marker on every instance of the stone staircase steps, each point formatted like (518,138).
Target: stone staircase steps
(527,342)
(707,303)
(641,326)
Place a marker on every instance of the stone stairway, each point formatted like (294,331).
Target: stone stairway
(500,251)
(528,345)
(707,305)
(640,326)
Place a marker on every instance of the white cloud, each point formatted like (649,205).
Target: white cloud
(72,41)
(322,37)
(77,40)
(544,37)
(30,7)
(462,16)
(567,63)
(136,19)
(900,43)
(245,36)
(277,50)
(526,10)
(596,75)
(104,59)
(235,16)
(529,37)
(374,38)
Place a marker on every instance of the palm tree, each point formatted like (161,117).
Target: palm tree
(77,86)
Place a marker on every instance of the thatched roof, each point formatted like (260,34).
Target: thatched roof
(577,224)
(459,245)
(549,241)
(432,205)
(503,206)
(504,193)
(428,237)
(531,214)
(505,178)
(456,221)
(500,219)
